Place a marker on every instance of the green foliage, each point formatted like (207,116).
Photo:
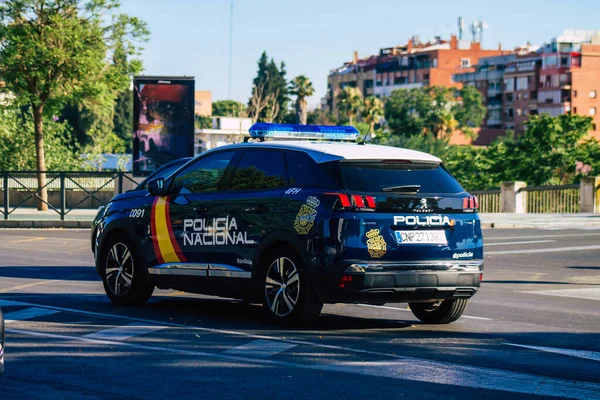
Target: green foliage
(470,112)
(350,102)
(202,122)
(372,111)
(421,111)
(67,52)
(552,151)
(123,118)
(301,87)
(270,85)
(228,108)
(17,150)
(548,151)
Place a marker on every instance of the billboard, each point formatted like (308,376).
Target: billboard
(163,121)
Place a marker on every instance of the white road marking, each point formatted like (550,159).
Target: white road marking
(28,313)
(527,242)
(486,238)
(551,250)
(125,332)
(586,293)
(403,368)
(260,348)
(588,355)
(405,309)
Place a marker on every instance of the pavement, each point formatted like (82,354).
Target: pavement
(533,331)
(82,218)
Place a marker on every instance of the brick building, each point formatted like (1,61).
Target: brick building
(415,64)
(563,76)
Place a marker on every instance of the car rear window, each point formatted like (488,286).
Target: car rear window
(304,171)
(374,177)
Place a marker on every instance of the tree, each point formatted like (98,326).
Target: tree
(123,118)
(228,108)
(55,52)
(372,111)
(350,102)
(470,111)
(271,84)
(420,111)
(301,87)
(548,151)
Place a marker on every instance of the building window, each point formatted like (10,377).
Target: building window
(574,110)
(525,95)
(592,94)
(519,112)
(465,62)
(592,110)
(525,111)
(593,127)
(574,93)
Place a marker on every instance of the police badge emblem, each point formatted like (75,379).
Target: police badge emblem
(306,216)
(376,244)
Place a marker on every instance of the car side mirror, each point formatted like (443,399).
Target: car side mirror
(156,187)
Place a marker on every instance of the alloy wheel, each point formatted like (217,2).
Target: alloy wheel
(119,269)
(282,286)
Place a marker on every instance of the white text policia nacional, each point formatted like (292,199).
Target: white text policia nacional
(219,231)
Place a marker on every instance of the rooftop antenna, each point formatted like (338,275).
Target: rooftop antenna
(482,27)
(364,139)
(461,27)
(474,27)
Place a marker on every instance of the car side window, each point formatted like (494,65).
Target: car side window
(259,170)
(205,175)
(304,171)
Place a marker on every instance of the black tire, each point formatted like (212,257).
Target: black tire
(123,274)
(443,312)
(288,297)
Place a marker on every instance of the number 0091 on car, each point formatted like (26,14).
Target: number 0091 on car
(429,237)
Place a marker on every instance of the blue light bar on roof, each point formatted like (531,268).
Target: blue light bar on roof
(293,131)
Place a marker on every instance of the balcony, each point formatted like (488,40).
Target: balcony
(493,122)
(494,106)
(493,92)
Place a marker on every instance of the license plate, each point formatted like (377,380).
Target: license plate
(427,237)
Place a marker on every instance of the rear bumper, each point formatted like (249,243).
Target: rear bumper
(390,282)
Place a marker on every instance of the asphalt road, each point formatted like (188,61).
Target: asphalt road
(532,331)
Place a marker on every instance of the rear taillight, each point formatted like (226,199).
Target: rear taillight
(356,201)
(470,203)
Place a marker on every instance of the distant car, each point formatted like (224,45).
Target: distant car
(298,223)
(163,172)
(1,342)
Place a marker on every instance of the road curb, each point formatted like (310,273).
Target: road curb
(45,224)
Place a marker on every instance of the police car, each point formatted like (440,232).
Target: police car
(293,224)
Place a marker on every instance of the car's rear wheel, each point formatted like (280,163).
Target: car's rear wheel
(287,294)
(442,312)
(125,282)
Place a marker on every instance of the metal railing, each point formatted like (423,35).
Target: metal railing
(552,199)
(88,185)
(489,200)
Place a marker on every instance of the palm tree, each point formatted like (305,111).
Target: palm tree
(350,101)
(372,111)
(301,87)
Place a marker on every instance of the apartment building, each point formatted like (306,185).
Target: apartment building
(563,76)
(414,64)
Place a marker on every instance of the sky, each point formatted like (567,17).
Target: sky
(312,37)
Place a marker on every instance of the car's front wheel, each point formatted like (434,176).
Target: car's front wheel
(122,273)
(288,295)
(442,312)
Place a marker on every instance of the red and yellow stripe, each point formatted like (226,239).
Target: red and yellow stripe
(166,247)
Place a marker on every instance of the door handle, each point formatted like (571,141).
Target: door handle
(259,208)
(200,209)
